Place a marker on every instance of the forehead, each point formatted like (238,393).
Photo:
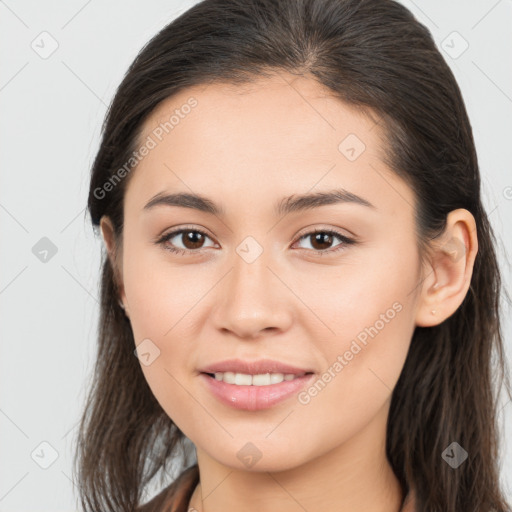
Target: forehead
(283,113)
(278,136)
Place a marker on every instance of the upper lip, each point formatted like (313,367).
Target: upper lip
(254,367)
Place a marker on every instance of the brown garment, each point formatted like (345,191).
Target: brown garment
(409,504)
(176,497)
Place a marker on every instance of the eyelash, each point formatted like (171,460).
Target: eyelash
(345,241)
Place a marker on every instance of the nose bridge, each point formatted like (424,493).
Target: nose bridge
(252,298)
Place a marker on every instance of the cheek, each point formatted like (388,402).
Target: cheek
(368,313)
(362,365)
(161,299)
(160,293)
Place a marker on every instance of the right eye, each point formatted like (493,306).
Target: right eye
(192,239)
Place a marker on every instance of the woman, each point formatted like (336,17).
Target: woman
(298,256)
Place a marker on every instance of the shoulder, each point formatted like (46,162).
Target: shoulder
(176,496)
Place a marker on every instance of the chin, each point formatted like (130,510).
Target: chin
(255,458)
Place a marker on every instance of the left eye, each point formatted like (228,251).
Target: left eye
(193,240)
(325,237)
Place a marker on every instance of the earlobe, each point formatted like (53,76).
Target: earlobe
(448,276)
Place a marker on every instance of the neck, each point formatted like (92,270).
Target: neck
(353,477)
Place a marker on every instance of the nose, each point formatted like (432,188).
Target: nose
(252,300)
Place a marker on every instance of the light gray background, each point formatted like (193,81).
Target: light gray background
(52,110)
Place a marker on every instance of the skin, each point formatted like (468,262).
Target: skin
(246,148)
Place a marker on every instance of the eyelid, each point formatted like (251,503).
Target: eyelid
(309,230)
(178,229)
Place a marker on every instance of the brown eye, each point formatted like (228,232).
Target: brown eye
(192,239)
(321,241)
(184,240)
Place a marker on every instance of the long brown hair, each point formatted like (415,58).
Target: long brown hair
(373,54)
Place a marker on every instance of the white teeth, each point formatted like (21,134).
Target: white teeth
(229,377)
(244,379)
(261,379)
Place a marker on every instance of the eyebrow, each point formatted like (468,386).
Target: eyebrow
(291,204)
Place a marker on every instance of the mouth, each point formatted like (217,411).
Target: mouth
(254,392)
(253,368)
(254,385)
(260,379)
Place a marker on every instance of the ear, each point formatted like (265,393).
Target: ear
(109,239)
(447,276)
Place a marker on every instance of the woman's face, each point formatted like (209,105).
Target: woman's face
(259,284)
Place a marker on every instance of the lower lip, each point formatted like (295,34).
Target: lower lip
(254,398)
